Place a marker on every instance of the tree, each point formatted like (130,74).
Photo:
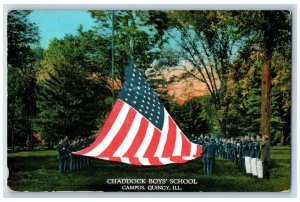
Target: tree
(14,106)
(70,104)
(275,25)
(281,95)
(22,35)
(88,50)
(188,117)
(247,97)
(133,36)
(73,88)
(213,46)
(89,53)
(271,29)
(251,101)
(167,60)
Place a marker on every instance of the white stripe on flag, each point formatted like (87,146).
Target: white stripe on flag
(146,141)
(144,161)
(125,145)
(193,149)
(187,158)
(178,143)
(163,136)
(125,160)
(112,132)
(165,160)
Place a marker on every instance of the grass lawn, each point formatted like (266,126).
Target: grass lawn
(38,171)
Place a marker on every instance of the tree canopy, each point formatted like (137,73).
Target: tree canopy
(22,58)
(73,87)
(242,57)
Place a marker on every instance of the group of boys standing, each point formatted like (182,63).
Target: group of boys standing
(250,152)
(69,161)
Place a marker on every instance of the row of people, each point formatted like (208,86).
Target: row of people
(249,152)
(69,161)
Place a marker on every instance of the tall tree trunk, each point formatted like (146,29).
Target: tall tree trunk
(222,123)
(266,92)
(30,141)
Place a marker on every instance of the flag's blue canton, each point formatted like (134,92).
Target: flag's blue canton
(137,93)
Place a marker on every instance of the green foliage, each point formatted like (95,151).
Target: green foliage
(224,48)
(208,113)
(132,37)
(211,43)
(272,28)
(87,50)
(271,31)
(272,36)
(160,84)
(72,89)
(188,117)
(166,60)
(75,73)
(168,57)
(160,22)
(252,105)
(281,97)
(22,36)
(14,106)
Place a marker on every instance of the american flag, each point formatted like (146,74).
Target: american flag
(139,130)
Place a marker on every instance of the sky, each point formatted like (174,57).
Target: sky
(58,23)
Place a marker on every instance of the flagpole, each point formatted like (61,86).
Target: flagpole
(112,57)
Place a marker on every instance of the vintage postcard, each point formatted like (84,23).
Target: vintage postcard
(149,100)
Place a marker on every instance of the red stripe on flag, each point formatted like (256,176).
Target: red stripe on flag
(154,161)
(153,144)
(120,136)
(178,159)
(135,161)
(199,151)
(136,143)
(186,146)
(107,126)
(116,159)
(171,138)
